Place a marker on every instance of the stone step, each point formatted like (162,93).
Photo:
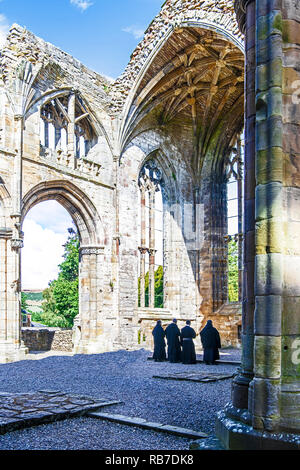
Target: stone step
(143,423)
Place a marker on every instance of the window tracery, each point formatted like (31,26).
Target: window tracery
(66,126)
(151,186)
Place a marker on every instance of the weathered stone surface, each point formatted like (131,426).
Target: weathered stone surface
(143,423)
(48,406)
(194,377)
(46,339)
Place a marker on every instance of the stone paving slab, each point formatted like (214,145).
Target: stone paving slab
(24,410)
(143,423)
(194,377)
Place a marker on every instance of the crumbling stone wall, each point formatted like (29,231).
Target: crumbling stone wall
(32,73)
(47,339)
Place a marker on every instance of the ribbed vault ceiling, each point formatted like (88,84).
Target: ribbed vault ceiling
(196,80)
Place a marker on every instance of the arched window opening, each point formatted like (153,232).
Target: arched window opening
(151,271)
(234,237)
(66,127)
(50,267)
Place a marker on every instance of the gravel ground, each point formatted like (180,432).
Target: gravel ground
(125,376)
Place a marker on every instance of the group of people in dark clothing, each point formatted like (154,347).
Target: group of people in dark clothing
(181,346)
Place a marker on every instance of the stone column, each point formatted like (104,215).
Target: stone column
(90,303)
(17,178)
(142,249)
(116,243)
(275,397)
(289,397)
(143,252)
(71,129)
(14,330)
(5,235)
(243,379)
(46,133)
(264,403)
(57,138)
(172,239)
(273,420)
(240,218)
(152,246)
(11,346)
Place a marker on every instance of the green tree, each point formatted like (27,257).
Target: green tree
(233,272)
(23,301)
(159,288)
(60,305)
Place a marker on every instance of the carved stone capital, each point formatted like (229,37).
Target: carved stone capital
(17,243)
(91,250)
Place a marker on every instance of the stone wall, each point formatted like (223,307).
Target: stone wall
(228,321)
(47,339)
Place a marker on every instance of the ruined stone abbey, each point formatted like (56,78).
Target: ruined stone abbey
(210,95)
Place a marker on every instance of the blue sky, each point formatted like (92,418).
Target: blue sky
(100,33)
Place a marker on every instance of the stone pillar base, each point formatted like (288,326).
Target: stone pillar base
(98,346)
(236,435)
(12,353)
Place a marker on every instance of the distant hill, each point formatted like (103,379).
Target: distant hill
(33,295)
(34,300)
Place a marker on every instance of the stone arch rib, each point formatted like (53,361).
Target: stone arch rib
(75,201)
(166,166)
(5,202)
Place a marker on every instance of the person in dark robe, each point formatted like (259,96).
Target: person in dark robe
(173,339)
(211,343)
(188,347)
(158,333)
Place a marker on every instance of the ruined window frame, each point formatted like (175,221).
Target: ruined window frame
(150,181)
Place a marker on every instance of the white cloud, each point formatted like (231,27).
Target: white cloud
(51,215)
(4,28)
(41,255)
(81,4)
(136,32)
(45,233)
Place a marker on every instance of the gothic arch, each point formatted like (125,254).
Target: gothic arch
(149,89)
(38,100)
(5,202)
(91,256)
(78,205)
(170,189)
